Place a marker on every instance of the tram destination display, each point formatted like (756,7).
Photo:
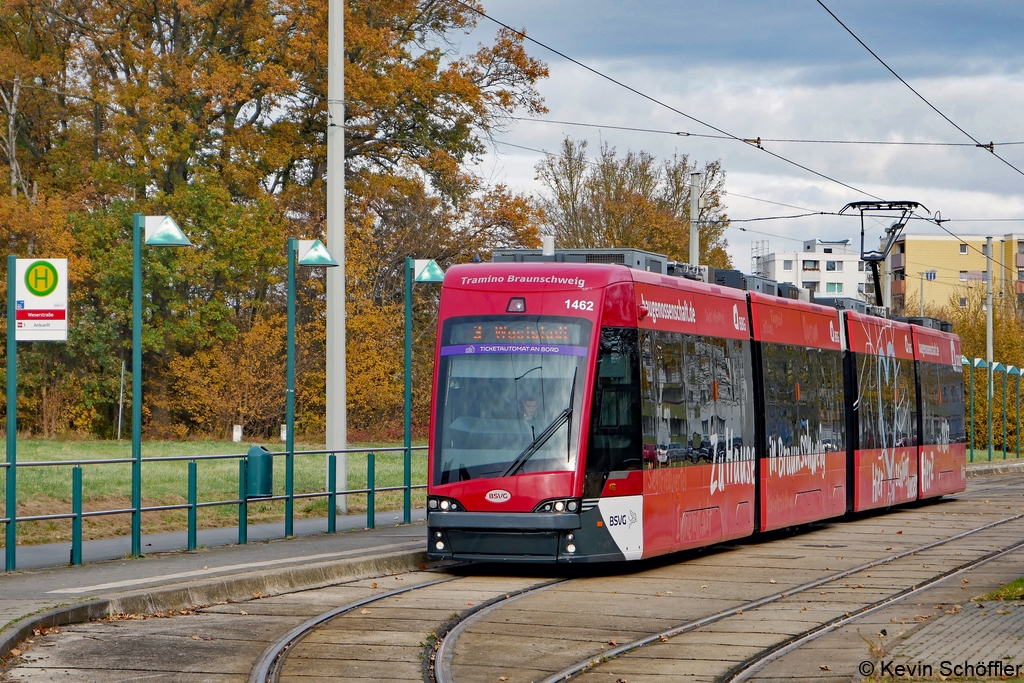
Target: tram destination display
(523,331)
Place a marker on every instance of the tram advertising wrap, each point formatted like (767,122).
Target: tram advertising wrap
(586,412)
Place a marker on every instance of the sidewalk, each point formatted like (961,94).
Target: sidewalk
(47,595)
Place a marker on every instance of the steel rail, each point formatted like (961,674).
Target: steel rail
(446,646)
(267,666)
(745,670)
(591,662)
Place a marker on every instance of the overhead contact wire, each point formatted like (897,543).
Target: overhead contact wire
(990,146)
(658,102)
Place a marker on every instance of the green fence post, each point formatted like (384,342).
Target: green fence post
(371,497)
(1018,414)
(192,504)
(76,509)
(332,496)
(972,408)
(243,505)
(990,394)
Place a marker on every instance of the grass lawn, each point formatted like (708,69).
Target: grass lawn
(47,490)
(981,455)
(1012,591)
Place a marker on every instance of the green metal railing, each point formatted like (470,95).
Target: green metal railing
(979,363)
(77,514)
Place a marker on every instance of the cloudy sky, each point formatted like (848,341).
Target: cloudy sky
(786,69)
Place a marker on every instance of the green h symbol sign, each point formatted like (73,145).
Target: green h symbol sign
(41,278)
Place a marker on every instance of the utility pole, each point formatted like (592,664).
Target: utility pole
(694,218)
(336,416)
(922,292)
(988,340)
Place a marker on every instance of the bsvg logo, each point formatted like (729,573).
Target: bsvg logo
(738,322)
(498,496)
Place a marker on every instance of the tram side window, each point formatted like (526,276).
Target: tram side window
(803,400)
(887,402)
(942,404)
(697,399)
(615,422)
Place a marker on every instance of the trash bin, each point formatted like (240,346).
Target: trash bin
(261,473)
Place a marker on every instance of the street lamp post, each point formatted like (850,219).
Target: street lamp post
(1015,371)
(315,256)
(1006,371)
(964,360)
(979,363)
(416,270)
(161,231)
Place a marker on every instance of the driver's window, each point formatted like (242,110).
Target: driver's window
(615,442)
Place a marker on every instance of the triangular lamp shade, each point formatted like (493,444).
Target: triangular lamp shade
(162,231)
(317,255)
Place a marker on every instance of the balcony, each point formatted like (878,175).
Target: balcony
(899,287)
(1020,260)
(898,261)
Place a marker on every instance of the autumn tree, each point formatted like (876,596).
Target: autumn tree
(632,201)
(216,113)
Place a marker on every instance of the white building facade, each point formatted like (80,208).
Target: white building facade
(829,269)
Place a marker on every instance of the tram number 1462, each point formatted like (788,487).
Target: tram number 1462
(579,304)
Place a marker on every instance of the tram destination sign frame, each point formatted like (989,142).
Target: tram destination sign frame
(41,299)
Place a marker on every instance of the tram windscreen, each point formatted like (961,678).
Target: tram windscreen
(509,396)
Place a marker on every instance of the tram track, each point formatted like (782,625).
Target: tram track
(485,619)
(749,668)
(440,655)
(590,663)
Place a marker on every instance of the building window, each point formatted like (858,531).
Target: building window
(787,264)
(963,276)
(827,250)
(1020,273)
(1020,246)
(984,250)
(963,248)
(984,276)
(963,302)
(830,265)
(860,266)
(834,287)
(812,265)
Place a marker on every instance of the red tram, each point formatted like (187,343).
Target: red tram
(586,412)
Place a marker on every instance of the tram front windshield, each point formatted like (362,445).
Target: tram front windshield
(509,396)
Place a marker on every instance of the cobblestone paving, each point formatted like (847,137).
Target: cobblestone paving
(981,633)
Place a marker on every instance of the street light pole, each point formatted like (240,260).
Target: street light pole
(138,222)
(289,397)
(988,340)
(316,256)
(161,231)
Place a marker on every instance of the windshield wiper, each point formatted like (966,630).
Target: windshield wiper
(563,417)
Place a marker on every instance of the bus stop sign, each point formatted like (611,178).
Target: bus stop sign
(41,300)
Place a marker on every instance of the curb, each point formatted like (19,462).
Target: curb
(989,468)
(235,588)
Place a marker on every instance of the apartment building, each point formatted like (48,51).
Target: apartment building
(829,269)
(959,265)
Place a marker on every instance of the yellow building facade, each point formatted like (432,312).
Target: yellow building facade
(959,265)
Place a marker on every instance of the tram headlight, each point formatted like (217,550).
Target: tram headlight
(570,537)
(445,505)
(438,534)
(571,548)
(439,545)
(432,503)
(556,506)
